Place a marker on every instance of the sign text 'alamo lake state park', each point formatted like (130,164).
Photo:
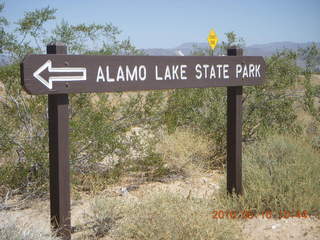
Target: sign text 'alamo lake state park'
(62,73)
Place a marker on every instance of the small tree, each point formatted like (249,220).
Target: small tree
(99,122)
(311,56)
(267,108)
(232,40)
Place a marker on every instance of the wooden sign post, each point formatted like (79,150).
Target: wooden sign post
(59,157)
(57,74)
(234,134)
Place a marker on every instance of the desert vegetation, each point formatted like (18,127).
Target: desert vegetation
(159,136)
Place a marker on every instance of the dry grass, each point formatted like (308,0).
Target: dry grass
(280,173)
(160,216)
(315,80)
(9,230)
(184,151)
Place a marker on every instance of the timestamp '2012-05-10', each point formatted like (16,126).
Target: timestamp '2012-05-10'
(268,214)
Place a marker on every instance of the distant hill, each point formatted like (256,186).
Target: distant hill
(265,50)
(271,48)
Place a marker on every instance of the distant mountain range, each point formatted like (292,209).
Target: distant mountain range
(265,50)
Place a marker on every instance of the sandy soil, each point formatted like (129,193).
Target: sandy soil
(37,214)
(291,228)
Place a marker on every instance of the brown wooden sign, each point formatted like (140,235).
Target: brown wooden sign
(62,73)
(58,74)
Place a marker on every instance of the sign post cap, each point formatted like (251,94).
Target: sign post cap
(56,48)
(234,51)
(54,43)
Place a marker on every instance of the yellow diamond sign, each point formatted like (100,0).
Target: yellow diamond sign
(212,39)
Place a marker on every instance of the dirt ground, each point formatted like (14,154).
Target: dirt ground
(36,215)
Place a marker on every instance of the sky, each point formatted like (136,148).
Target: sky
(169,23)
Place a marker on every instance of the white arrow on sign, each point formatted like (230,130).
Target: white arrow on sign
(48,64)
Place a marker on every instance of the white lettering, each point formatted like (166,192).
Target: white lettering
(175,72)
(257,70)
(219,66)
(100,75)
(245,71)
(205,66)
(251,70)
(225,70)
(142,72)
(120,74)
(212,72)
(109,79)
(157,74)
(131,75)
(198,71)
(183,72)
(167,75)
(238,70)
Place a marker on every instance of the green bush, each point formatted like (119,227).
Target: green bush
(99,126)
(265,108)
(203,111)
(99,123)
(281,173)
(23,134)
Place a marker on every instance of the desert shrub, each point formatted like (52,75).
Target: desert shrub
(98,124)
(23,135)
(167,216)
(161,216)
(201,110)
(104,215)
(98,127)
(184,151)
(266,108)
(9,230)
(311,98)
(280,173)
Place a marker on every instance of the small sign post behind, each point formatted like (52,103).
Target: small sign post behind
(58,74)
